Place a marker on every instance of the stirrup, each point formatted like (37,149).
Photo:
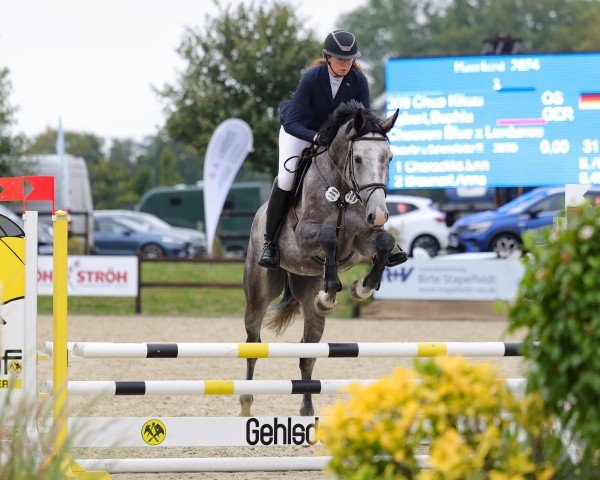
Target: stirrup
(396,258)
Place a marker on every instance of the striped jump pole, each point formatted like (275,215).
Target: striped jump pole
(225,387)
(293,350)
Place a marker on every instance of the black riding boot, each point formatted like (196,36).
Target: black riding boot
(276,210)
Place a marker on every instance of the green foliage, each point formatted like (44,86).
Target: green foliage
(154,148)
(559,303)
(240,64)
(475,427)
(10,144)
(388,28)
(82,144)
(19,453)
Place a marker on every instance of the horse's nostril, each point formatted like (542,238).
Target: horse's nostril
(370,218)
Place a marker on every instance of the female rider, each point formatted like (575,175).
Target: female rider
(330,81)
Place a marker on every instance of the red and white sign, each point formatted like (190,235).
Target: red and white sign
(93,276)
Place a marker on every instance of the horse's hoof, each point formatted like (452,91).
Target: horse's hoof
(324,303)
(246,404)
(358,293)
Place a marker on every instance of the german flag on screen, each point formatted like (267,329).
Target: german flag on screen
(589,101)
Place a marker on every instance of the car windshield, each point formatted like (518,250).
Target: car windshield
(521,203)
(133,225)
(154,222)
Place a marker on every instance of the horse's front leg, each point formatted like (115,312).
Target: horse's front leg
(363,288)
(314,240)
(325,301)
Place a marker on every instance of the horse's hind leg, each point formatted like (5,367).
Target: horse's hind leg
(261,287)
(304,289)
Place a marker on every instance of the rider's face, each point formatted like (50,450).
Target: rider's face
(340,66)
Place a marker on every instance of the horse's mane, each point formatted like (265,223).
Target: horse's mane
(343,114)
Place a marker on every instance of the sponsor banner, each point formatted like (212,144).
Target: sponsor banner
(451,280)
(93,276)
(192,431)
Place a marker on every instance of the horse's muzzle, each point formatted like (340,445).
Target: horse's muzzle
(378,218)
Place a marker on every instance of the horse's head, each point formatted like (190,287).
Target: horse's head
(360,149)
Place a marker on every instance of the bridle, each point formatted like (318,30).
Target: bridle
(352,195)
(349,163)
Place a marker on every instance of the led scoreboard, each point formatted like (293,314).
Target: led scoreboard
(495,121)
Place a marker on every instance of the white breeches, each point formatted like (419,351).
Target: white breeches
(289,146)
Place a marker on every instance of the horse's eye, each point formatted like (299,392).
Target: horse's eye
(358,159)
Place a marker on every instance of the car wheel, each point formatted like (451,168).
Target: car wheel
(504,244)
(152,250)
(426,242)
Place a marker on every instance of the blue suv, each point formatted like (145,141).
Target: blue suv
(500,230)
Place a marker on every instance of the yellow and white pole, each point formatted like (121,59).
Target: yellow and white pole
(59,308)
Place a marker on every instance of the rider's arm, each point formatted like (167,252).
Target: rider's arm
(300,109)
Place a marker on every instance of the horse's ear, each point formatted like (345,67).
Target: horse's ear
(388,123)
(358,121)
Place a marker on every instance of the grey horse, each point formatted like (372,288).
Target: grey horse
(335,224)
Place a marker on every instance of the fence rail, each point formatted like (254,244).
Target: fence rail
(142,284)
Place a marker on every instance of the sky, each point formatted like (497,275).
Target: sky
(95,63)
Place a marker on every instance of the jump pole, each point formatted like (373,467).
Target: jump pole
(226,387)
(290,350)
(233,464)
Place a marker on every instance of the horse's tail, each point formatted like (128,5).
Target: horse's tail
(280,316)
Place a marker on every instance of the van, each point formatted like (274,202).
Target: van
(183,206)
(78,203)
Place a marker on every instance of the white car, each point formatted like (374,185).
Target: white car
(415,222)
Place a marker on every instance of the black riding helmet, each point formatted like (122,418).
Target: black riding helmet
(341,44)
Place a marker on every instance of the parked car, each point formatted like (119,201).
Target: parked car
(44,230)
(415,222)
(196,238)
(501,230)
(123,237)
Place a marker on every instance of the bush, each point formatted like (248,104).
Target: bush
(559,303)
(476,428)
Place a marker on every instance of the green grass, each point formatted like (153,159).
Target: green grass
(190,301)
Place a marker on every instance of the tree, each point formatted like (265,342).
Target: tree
(86,145)
(387,28)
(10,144)
(186,164)
(241,64)
(111,185)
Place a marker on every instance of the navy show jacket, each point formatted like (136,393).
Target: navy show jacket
(312,102)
